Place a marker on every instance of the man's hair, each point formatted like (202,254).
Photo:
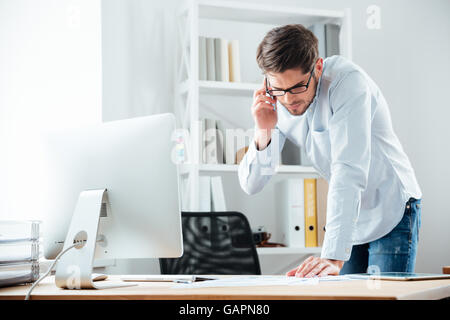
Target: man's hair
(287,47)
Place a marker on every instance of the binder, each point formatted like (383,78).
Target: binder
(290,207)
(218,196)
(205,193)
(234,62)
(202,62)
(210,60)
(221,59)
(322,194)
(310,213)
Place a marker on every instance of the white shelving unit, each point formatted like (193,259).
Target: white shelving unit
(189,89)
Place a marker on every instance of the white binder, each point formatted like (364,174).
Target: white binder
(290,212)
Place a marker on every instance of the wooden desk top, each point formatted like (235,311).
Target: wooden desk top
(358,289)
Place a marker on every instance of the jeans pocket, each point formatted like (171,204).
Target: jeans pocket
(418,209)
(415,213)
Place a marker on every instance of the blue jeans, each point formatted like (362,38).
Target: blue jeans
(395,252)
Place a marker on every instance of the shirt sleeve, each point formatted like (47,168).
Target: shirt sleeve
(350,139)
(257,166)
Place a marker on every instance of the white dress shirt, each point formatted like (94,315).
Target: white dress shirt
(348,136)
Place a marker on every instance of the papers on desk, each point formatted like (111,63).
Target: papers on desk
(249,281)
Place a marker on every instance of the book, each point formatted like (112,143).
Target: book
(210,60)
(12,231)
(210,142)
(201,143)
(322,195)
(14,274)
(332,39)
(289,198)
(202,62)
(230,146)
(221,59)
(204,193)
(221,141)
(218,196)
(234,61)
(310,213)
(319,31)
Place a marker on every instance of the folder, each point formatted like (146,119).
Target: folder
(290,207)
(322,194)
(310,213)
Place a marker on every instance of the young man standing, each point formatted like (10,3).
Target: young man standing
(334,110)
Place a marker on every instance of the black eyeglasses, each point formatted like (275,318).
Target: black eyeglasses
(300,88)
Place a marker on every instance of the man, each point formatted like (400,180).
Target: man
(334,110)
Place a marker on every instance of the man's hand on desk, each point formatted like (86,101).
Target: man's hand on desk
(315,266)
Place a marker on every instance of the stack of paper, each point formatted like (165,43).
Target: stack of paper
(19,252)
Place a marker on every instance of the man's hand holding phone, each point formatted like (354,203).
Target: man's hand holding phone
(265,116)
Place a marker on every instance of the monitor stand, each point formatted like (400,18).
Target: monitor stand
(74,269)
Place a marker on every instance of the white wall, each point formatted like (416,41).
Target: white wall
(138,41)
(50,76)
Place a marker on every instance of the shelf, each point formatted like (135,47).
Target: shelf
(284,169)
(287,250)
(261,13)
(223,88)
(228,88)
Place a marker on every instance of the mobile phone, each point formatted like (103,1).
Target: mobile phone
(269,95)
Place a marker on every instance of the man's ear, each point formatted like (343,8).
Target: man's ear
(319,67)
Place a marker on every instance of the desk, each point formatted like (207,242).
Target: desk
(357,289)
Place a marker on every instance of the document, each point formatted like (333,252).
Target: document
(264,280)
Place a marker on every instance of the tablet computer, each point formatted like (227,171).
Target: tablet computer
(402,276)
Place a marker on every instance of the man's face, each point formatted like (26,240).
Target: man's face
(296,104)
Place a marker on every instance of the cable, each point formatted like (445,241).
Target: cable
(27,297)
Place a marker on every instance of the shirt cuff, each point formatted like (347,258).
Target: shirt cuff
(257,157)
(336,249)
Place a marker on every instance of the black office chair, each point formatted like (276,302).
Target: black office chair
(214,243)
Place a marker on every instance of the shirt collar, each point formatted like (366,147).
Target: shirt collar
(312,106)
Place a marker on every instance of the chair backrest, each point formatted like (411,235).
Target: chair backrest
(214,243)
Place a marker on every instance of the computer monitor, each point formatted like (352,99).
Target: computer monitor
(119,176)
